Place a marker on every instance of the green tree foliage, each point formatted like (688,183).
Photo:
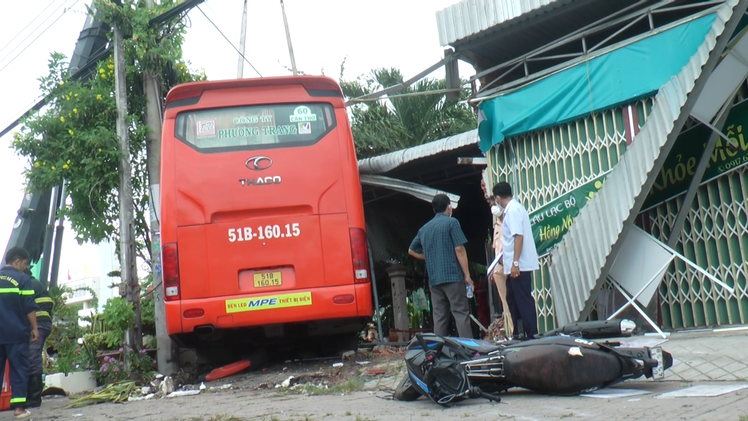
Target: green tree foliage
(395,123)
(73,139)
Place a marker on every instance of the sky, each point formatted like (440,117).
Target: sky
(365,33)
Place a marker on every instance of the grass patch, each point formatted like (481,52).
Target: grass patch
(347,386)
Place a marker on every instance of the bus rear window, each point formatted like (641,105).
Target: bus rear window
(255,127)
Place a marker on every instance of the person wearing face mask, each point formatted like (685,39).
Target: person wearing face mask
(441,243)
(497,276)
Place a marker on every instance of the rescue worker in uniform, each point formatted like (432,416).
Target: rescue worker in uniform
(17,325)
(36,349)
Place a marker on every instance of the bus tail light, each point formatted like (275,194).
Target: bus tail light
(170,263)
(360,255)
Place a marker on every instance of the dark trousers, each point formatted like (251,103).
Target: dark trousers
(522,304)
(36,361)
(17,354)
(444,296)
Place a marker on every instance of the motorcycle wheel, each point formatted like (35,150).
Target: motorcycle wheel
(405,391)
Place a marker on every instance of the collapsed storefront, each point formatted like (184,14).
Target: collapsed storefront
(598,112)
(397,191)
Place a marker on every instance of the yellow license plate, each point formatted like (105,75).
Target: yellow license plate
(267,279)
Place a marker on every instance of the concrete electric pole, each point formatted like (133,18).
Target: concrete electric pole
(288,39)
(242,43)
(166,354)
(126,213)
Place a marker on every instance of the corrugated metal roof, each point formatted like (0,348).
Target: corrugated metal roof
(383,163)
(470,17)
(581,261)
(416,190)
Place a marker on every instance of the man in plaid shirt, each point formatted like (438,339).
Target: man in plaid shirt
(441,243)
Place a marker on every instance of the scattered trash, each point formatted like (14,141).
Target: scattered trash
(336,365)
(166,386)
(141,398)
(179,393)
(158,376)
(363,362)
(287,382)
(263,386)
(226,386)
(348,355)
(145,390)
(202,386)
(228,370)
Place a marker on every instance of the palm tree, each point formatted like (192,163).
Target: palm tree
(400,122)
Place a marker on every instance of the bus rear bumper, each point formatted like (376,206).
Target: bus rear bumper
(270,309)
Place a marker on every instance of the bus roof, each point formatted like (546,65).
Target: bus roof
(314,85)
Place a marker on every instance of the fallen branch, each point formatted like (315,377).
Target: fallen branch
(116,392)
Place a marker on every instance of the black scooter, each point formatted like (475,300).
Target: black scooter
(561,362)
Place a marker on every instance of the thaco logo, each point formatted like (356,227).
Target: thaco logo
(258,163)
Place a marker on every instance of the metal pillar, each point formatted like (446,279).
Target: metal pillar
(685,207)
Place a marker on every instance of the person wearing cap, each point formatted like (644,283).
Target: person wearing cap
(17,325)
(44,325)
(520,259)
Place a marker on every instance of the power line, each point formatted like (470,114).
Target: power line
(37,37)
(27,25)
(227,40)
(32,32)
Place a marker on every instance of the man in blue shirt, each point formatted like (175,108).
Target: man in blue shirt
(441,243)
(18,325)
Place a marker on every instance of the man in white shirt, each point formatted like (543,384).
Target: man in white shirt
(520,259)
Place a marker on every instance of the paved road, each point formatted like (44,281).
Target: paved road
(700,359)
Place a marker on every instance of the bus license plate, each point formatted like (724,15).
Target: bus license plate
(267,279)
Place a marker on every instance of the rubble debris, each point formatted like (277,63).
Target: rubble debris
(496,331)
(228,370)
(179,393)
(166,386)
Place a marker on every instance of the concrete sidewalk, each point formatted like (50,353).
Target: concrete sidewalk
(703,355)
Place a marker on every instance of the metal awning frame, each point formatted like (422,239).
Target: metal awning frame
(419,191)
(586,52)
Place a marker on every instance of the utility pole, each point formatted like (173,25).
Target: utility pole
(288,39)
(166,355)
(242,42)
(126,213)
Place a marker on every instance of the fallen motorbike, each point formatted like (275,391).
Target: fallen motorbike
(560,362)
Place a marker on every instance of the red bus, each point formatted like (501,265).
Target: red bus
(262,221)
